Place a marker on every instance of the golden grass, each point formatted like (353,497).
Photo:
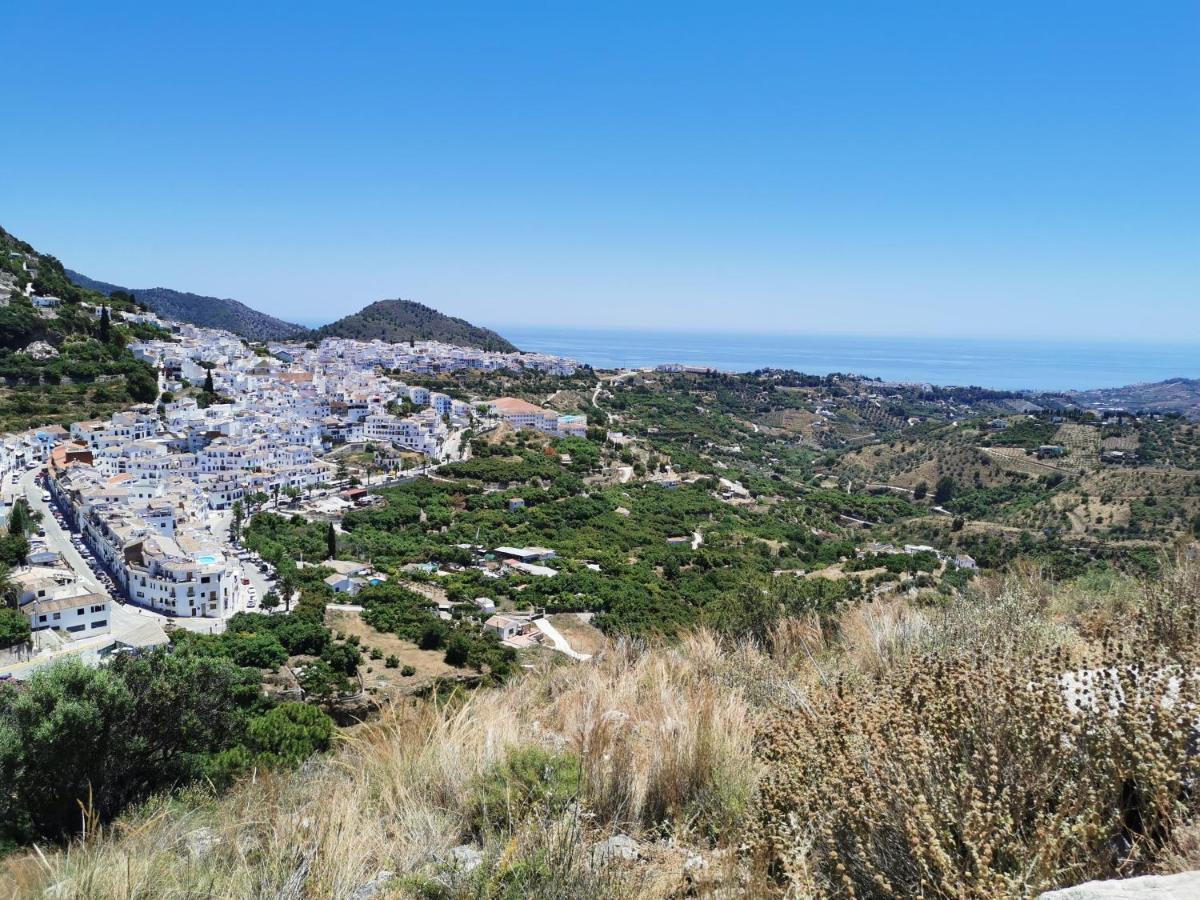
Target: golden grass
(664,741)
(887,751)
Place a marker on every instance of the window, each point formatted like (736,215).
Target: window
(97,609)
(80,611)
(100,623)
(75,628)
(41,618)
(57,616)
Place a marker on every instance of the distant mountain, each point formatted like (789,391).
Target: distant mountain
(207,312)
(397,321)
(1175,395)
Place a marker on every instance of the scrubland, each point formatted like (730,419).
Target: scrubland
(1024,736)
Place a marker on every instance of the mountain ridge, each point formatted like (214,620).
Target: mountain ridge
(393,320)
(198,309)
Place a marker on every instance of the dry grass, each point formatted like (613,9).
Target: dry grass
(581,635)
(888,751)
(664,741)
(429,664)
(992,748)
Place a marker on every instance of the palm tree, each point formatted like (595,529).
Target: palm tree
(286,589)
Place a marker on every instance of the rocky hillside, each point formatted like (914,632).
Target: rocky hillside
(402,320)
(209,312)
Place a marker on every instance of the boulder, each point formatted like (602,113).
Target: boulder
(466,857)
(1184,886)
(41,351)
(619,846)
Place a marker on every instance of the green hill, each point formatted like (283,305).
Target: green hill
(396,321)
(207,312)
(63,362)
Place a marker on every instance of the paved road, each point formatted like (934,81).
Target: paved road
(57,538)
(560,643)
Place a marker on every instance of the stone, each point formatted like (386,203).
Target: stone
(619,846)
(1184,886)
(40,351)
(372,888)
(466,857)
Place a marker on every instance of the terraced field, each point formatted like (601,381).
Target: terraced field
(1081,441)
(1015,459)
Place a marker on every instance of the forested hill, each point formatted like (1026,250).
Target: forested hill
(401,320)
(208,312)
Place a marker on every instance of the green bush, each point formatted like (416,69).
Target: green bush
(14,628)
(530,780)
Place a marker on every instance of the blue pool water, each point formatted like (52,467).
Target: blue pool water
(206,559)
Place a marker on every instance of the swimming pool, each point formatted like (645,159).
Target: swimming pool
(206,559)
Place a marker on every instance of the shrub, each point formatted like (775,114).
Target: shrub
(992,763)
(408,671)
(392,661)
(527,781)
(14,627)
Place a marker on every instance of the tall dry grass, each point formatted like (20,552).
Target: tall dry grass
(1024,736)
(664,741)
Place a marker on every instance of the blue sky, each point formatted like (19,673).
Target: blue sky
(979,168)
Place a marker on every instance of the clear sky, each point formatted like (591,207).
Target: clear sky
(1004,168)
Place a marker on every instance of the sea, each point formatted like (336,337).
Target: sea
(1035,365)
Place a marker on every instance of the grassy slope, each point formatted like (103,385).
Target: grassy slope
(861,752)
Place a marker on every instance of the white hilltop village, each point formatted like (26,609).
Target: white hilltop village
(136,509)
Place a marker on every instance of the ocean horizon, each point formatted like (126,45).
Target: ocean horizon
(1002,364)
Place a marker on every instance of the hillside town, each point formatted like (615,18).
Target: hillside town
(138,508)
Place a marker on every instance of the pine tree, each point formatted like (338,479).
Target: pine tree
(330,542)
(19,520)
